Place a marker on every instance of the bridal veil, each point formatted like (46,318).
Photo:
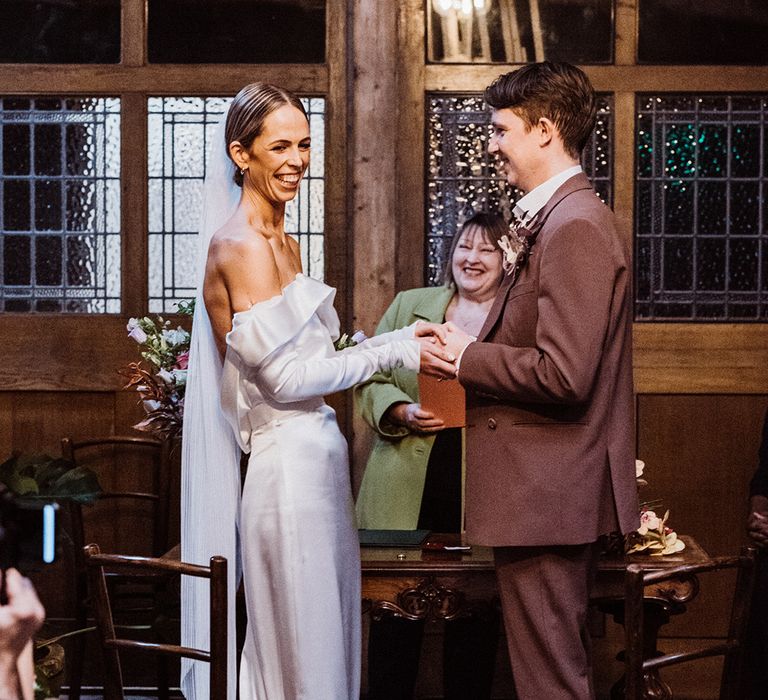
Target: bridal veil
(210,461)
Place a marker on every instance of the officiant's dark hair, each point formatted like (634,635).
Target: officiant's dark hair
(491,227)
(251,106)
(560,92)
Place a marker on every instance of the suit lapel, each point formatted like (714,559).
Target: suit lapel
(496,307)
(571,185)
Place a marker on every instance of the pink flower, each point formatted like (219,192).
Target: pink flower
(648,521)
(182,360)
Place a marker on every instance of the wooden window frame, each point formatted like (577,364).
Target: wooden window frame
(684,357)
(53,352)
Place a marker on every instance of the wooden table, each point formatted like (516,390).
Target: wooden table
(418,584)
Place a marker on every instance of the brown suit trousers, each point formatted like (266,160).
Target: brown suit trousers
(550,434)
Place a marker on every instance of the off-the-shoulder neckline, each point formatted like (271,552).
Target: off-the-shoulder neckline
(299,276)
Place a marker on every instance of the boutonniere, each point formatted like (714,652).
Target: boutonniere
(516,247)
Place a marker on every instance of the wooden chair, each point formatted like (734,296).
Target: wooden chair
(637,664)
(152,457)
(98,565)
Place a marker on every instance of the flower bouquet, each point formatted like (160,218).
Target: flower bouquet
(161,384)
(653,536)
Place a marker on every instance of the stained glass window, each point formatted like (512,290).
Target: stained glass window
(700,226)
(180,130)
(462,177)
(60,218)
(519,31)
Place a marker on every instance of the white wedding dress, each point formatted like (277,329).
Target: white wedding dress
(291,533)
(298,538)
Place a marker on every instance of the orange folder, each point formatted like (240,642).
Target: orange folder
(446,399)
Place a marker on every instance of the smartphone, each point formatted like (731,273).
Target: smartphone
(28,533)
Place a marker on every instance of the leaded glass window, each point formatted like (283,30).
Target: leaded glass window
(700,223)
(60,217)
(462,177)
(180,131)
(519,31)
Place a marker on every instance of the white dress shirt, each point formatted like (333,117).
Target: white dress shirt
(531,204)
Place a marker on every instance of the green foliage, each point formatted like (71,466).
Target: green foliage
(41,476)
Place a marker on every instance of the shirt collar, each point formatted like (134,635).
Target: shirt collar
(530,204)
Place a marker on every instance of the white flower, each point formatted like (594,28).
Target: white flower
(135,331)
(165,376)
(150,405)
(511,252)
(179,376)
(175,337)
(639,466)
(648,521)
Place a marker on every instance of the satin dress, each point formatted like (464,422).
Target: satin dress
(298,537)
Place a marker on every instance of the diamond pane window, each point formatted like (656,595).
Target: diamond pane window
(180,131)
(60,214)
(462,177)
(700,226)
(519,31)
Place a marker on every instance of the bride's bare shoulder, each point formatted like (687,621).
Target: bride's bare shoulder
(233,243)
(241,260)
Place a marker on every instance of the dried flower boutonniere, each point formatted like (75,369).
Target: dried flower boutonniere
(516,247)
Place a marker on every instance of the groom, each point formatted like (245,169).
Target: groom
(550,425)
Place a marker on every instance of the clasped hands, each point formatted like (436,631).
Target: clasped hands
(441,344)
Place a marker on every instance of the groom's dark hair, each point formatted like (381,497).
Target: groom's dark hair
(251,106)
(560,92)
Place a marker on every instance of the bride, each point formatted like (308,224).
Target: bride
(262,358)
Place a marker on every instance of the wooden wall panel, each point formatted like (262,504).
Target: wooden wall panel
(700,453)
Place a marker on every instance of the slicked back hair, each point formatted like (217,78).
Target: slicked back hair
(251,106)
(560,92)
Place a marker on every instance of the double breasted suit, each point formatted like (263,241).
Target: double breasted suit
(550,445)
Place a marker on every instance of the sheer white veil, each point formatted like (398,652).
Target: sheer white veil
(210,461)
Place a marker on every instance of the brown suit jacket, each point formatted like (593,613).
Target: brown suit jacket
(550,414)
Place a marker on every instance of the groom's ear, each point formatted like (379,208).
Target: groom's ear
(546,131)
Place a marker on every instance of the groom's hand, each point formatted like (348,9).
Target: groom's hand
(435,359)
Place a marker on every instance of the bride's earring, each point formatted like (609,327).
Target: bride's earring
(242,171)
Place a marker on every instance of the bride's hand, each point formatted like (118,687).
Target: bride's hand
(435,359)
(435,331)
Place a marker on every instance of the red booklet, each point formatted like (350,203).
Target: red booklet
(446,399)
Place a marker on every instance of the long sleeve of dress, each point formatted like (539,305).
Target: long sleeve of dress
(260,341)
(286,377)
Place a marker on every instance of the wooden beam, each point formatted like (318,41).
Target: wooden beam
(133,32)
(473,78)
(157,79)
(134,204)
(373,119)
(697,358)
(411,132)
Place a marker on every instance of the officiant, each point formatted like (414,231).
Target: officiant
(413,478)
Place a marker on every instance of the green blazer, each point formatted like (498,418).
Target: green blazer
(393,482)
